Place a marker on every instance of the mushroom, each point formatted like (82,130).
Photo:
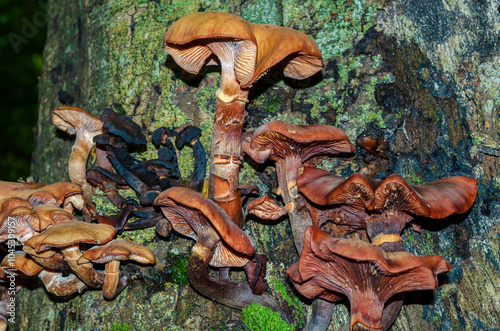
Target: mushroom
(18,220)
(245,52)
(189,135)
(111,254)
(396,203)
(330,268)
(10,203)
(68,236)
(108,182)
(20,261)
(219,243)
(76,121)
(289,146)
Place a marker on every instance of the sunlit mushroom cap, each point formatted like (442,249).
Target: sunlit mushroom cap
(190,212)
(296,52)
(22,262)
(118,250)
(70,233)
(438,199)
(282,139)
(186,41)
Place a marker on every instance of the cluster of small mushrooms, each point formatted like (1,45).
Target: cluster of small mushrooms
(346,230)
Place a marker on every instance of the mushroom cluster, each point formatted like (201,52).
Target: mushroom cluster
(346,231)
(45,239)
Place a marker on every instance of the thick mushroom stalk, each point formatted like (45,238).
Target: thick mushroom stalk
(60,285)
(199,37)
(330,268)
(219,243)
(67,236)
(74,120)
(111,254)
(289,146)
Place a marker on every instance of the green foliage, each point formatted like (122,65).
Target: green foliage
(259,318)
(292,301)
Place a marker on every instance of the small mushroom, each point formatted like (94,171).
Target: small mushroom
(108,182)
(21,262)
(68,236)
(111,254)
(219,243)
(330,268)
(289,146)
(76,121)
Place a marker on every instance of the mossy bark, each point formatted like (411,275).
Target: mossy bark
(422,74)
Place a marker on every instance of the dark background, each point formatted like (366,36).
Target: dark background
(22,37)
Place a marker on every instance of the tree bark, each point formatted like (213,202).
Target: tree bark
(422,74)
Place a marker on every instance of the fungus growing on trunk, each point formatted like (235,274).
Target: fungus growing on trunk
(111,254)
(330,268)
(245,52)
(219,243)
(76,121)
(68,236)
(289,146)
(60,285)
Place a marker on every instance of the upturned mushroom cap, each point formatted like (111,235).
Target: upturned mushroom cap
(279,139)
(118,250)
(22,263)
(21,220)
(296,52)
(190,212)
(331,267)
(439,199)
(70,233)
(74,120)
(267,209)
(188,39)
(123,126)
(49,215)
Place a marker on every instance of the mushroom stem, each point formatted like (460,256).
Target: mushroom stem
(321,316)
(300,219)
(111,280)
(234,295)
(77,165)
(197,178)
(226,153)
(86,271)
(59,285)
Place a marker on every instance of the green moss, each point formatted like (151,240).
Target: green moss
(292,301)
(259,318)
(178,270)
(120,327)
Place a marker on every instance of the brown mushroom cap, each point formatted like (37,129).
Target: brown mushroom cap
(186,41)
(74,119)
(21,262)
(118,250)
(267,209)
(70,233)
(297,52)
(282,139)
(329,267)
(49,215)
(15,189)
(22,220)
(438,199)
(10,203)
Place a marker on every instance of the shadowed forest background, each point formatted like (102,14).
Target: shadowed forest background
(21,62)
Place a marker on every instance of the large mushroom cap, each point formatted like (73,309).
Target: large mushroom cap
(438,199)
(70,233)
(186,41)
(211,215)
(368,276)
(294,50)
(123,126)
(282,139)
(118,250)
(74,119)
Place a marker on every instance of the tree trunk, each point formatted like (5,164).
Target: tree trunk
(421,74)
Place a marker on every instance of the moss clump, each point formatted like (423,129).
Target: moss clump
(259,318)
(120,327)
(292,301)
(178,271)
